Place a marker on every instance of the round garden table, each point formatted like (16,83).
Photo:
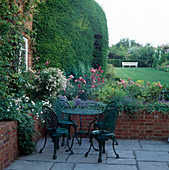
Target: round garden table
(80,112)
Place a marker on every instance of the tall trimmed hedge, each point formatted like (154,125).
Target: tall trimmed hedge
(70,32)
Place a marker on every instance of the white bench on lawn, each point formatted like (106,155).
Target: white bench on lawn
(130,64)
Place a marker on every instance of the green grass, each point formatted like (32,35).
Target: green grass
(147,74)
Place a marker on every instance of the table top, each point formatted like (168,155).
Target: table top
(82,111)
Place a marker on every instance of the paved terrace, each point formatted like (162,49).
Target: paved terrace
(134,155)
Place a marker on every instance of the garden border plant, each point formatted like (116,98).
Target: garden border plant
(14,16)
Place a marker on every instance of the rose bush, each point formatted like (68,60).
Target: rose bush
(85,86)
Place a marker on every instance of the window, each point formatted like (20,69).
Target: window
(24,52)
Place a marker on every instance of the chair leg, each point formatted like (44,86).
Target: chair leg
(91,142)
(104,151)
(44,143)
(69,147)
(63,140)
(100,150)
(55,147)
(117,156)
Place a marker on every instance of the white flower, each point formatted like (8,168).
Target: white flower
(26,99)
(33,103)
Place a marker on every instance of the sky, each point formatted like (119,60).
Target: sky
(145,21)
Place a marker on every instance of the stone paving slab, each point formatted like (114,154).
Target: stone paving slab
(153,166)
(79,158)
(63,166)
(47,155)
(30,165)
(121,161)
(104,167)
(123,154)
(152,156)
(126,145)
(164,147)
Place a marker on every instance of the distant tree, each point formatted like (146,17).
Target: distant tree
(127,43)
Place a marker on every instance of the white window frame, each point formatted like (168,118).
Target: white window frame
(25,51)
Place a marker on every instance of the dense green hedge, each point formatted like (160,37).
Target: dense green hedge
(118,62)
(71,32)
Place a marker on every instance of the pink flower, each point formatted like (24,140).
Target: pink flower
(129,79)
(47,63)
(147,83)
(98,79)
(125,86)
(99,67)
(80,78)
(123,81)
(138,85)
(103,80)
(93,86)
(76,81)
(79,85)
(82,91)
(160,85)
(101,71)
(71,76)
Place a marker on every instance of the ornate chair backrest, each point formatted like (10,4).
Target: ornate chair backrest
(108,119)
(50,118)
(59,105)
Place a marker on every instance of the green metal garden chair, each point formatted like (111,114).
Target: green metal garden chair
(51,122)
(106,125)
(64,119)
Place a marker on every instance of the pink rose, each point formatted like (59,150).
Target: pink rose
(103,80)
(47,63)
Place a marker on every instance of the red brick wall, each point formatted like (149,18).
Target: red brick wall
(8,143)
(9,150)
(154,126)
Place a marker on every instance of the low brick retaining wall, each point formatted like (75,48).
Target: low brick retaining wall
(9,150)
(8,143)
(153,126)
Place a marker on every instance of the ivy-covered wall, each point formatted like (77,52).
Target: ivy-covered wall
(70,33)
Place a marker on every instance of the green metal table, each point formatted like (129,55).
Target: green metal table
(80,112)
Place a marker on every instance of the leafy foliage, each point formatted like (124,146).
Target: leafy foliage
(72,32)
(135,96)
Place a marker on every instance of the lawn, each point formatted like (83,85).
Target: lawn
(146,74)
